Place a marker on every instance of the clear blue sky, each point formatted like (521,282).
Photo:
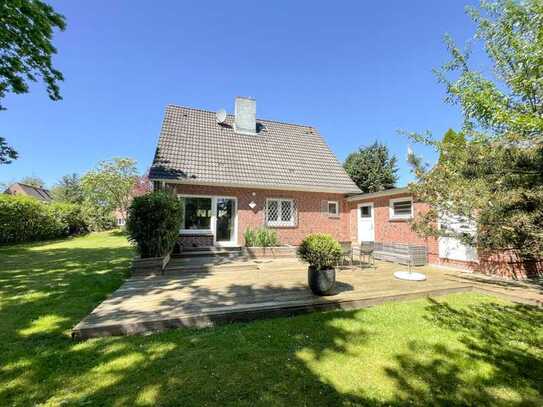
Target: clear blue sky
(358,71)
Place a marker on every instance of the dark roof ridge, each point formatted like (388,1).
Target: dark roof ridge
(231,115)
(31,186)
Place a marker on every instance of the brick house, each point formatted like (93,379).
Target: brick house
(19,188)
(236,172)
(385,217)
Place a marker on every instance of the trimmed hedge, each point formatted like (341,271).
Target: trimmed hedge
(26,219)
(320,250)
(153,223)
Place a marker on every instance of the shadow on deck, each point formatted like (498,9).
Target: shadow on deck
(204,292)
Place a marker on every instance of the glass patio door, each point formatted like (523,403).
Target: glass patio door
(225,218)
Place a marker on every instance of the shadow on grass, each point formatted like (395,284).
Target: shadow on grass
(45,292)
(501,362)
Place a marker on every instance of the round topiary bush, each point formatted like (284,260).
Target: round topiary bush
(322,252)
(153,223)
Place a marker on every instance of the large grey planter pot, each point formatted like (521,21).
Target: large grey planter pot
(321,282)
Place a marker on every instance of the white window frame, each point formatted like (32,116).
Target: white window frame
(280,223)
(391,213)
(333,214)
(121,222)
(213,224)
(200,231)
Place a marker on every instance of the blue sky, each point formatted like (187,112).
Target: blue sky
(358,71)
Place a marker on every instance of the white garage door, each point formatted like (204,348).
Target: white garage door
(454,249)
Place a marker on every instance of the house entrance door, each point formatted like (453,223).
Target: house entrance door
(366,232)
(225,228)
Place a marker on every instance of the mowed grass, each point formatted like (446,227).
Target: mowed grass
(454,350)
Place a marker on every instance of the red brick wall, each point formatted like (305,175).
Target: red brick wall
(399,231)
(386,229)
(504,263)
(188,241)
(310,217)
(507,264)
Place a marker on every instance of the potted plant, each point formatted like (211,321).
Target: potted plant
(322,252)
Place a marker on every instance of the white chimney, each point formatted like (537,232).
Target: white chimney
(245,111)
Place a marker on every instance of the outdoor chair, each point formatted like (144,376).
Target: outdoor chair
(365,250)
(346,253)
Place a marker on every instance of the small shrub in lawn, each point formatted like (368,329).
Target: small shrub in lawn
(153,223)
(320,250)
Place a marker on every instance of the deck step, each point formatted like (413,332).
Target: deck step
(209,251)
(212,248)
(190,269)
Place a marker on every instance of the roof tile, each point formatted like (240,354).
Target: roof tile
(193,146)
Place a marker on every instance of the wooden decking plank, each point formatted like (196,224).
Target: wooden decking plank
(276,287)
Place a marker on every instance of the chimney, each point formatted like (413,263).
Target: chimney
(245,111)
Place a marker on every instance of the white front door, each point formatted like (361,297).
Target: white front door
(366,229)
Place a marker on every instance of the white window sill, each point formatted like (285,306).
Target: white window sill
(205,232)
(400,218)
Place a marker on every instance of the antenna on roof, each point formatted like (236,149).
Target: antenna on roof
(221,116)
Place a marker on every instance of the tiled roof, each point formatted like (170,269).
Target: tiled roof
(194,148)
(36,192)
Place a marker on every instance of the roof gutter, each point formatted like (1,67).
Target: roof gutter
(386,192)
(303,188)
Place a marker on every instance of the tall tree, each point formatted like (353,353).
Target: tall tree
(142,186)
(69,189)
(7,153)
(491,173)
(26,49)
(33,181)
(372,168)
(110,185)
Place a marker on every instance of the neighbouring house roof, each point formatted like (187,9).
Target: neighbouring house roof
(194,148)
(19,188)
(386,192)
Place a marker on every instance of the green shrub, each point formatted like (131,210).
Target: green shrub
(250,237)
(153,223)
(70,216)
(320,250)
(25,219)
(97,218)
(262,237)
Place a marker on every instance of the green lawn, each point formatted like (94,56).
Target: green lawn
(460,349)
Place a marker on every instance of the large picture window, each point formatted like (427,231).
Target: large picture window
(197,213)
(280,212)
